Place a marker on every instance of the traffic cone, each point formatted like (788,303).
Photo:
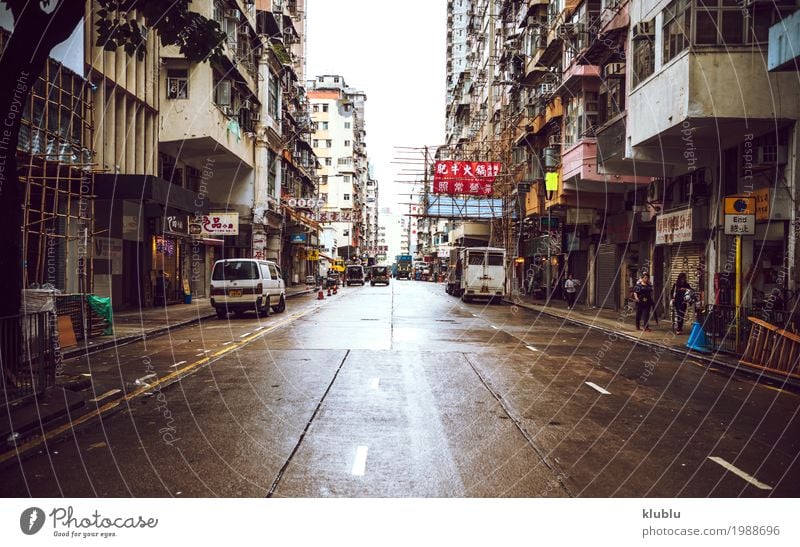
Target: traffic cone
(697,339)
(320,294)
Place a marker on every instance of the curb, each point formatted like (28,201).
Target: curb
(124,341)
(734,367)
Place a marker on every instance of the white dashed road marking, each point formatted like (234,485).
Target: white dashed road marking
(598,388)
(360,463)
(736,471)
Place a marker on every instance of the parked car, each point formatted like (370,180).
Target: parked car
(380,274)
(353,275)
(245,284)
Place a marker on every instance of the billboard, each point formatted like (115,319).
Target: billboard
(215,224)
(475,178)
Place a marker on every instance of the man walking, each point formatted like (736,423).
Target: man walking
(571,290)
(643,294)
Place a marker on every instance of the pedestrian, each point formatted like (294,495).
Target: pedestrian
(571,290)
(643,294)
(678,300)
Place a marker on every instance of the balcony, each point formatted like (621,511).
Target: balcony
(720,93)
(580,175)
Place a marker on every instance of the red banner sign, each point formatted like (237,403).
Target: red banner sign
(465,177)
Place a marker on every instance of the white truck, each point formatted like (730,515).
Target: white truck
(479,272)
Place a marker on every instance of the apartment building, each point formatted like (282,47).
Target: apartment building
(339,141)
(623,125)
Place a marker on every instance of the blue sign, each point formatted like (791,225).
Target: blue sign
(299,238)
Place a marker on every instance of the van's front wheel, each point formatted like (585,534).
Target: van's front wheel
(281,307)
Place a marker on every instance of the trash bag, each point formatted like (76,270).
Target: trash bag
(102,307)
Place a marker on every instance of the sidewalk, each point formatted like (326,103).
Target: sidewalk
(623,323)
(138,324)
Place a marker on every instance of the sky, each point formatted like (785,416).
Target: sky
(395,53)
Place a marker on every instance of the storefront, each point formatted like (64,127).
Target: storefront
(679,234)
(632,256)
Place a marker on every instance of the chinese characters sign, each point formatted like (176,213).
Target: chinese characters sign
(674,227)
(337,216)
(740,215)
(465,177)
(215,224)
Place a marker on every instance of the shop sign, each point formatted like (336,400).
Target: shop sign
(580,216)
(762,203)
(740,215)
(674,227)
(312,254)
(444,254)
(215,224)
(465,177)
(298,238)
(176,225)
(572,242)
(259,245)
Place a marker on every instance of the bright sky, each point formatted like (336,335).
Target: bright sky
(395,53)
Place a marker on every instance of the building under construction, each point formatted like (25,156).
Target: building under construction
(54,166)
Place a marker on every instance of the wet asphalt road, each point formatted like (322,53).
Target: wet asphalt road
(404,391)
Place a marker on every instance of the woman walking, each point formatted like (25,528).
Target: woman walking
(643,294)
(680,290)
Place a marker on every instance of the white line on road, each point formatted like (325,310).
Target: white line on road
(494,327)
(228,342)
(360,464)
(104,395)
(736,471)
(141,381)
(375,383)
(202,352)
(245,334)
(179,363)
(531,348)
(598,388)
(259,328)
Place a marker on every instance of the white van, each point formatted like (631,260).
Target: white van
(483,273)
(246,284)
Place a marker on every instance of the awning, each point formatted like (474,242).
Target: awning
(149,189)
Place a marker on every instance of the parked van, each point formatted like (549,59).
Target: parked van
(380,274)
(353,275)
(480,272)
(245,284)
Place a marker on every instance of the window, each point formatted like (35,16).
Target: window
(328,143)
(347,197)
(264,271)
(272,176)
(644,60)
(324,107)
(719,22)
(347,125)
(346,178)
(315,108)
(346,233)
(177,83)
(677,28)
(347,143)
(272,101)
(612,97)
(273,271)
(315,143)
(328,162)
(324,126)
(235,270)
(345,161)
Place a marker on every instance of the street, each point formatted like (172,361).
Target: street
(405,391)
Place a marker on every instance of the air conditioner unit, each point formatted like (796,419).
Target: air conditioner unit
(569,29)
(644,30)
(551,156)
(231,14)
(614,70)
(554,140)
(772,154)
(655,192)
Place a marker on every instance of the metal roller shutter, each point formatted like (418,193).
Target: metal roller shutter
(684,258)
(606,266)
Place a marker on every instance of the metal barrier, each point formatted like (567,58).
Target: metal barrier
(29,355)
(74,306)
(719,323)
(772,348)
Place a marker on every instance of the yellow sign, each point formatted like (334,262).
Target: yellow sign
(551,182)
(312,254)
(762,203)
(740,205)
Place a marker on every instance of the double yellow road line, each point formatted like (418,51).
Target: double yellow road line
(138,392)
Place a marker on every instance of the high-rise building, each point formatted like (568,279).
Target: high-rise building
(339,141)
